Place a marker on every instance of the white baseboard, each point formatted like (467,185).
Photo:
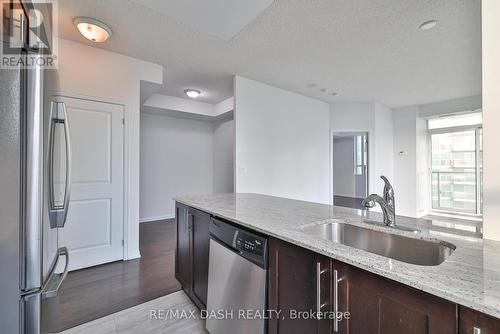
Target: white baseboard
(152,219)
(134,254)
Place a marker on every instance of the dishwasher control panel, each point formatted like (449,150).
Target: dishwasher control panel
(249,243)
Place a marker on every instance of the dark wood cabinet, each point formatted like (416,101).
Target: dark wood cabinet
(294,287)
(200,245)
(473,322)
(191,260)
(379,305)
(362,302)
(183,252)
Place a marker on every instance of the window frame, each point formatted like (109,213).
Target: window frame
(477,128)
(364,155)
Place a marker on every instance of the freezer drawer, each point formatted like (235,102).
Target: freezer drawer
(39,314)
(30,314)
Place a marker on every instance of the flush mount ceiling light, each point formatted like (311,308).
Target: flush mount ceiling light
(428,25)
(92,29)
(192,93)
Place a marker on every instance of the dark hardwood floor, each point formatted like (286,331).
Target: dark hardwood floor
(91,293)
(349,202)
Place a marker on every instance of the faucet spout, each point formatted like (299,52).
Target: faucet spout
(388,192)
(386,203)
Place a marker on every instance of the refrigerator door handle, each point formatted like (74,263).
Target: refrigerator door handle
(59,213)
(53,284)
(67,190)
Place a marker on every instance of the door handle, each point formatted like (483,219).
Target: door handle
(53,284)
(59,213)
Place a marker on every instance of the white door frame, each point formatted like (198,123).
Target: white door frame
(369,148)
(126,140)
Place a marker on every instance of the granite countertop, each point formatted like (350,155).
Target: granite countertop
(469,277)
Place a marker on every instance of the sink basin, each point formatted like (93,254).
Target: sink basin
(398,247)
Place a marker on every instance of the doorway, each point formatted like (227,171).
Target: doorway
(349,169)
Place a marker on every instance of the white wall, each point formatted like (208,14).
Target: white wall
(423,179)
(491,117)
(99,74)
(405,160)
(176,159)
(282,142)
(352,117)
(384,143)
(223,157)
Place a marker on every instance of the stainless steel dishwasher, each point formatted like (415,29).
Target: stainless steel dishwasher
(237,278)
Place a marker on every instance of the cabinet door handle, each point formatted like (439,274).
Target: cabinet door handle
(319,305)
(318,287)
(190,222)
(335,300)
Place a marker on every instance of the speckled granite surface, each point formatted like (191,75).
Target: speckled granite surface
(470,276)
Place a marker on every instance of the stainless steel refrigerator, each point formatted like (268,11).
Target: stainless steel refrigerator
(35,175)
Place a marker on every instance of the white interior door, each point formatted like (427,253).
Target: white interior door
(94,229)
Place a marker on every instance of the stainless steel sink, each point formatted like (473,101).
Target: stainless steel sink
(398,247)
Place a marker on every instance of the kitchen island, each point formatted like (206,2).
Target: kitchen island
(470,276)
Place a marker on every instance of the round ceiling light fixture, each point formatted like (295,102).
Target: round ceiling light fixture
(192,93)
(428,25)
(92,29)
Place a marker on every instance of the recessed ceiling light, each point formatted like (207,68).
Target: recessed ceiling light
(92,29)
(427,25)
(192,93)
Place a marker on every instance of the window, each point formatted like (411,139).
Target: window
(456,163)
(360,154)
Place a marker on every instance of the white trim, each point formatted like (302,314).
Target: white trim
(151,219)
(126,203)
(331,168)
(87,97)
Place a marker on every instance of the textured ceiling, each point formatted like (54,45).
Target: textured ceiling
(366,50)
(219,18)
